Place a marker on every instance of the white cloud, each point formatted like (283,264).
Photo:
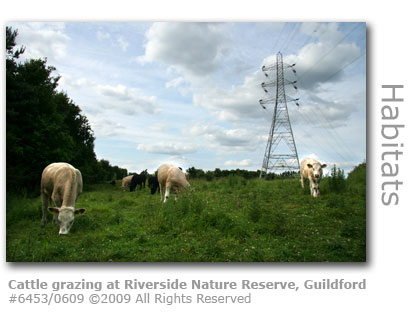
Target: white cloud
(103,36)
(230,140)
(128,100)
(106,128)
(174,83)
(123,43)
(160,126)
(242,163)
(169,148)
(43,40)
(194,48)
(322,61)
(68,81)
(238,103)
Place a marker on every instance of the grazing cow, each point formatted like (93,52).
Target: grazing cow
(171,178)
(61,183)
(138,179)
(311,169)
(187,175)
(126,181)
(153,184)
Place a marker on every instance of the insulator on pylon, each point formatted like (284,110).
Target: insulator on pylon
(266,74)
(293,65)
(294,71)
(265,90)
(295,87)
(297,104)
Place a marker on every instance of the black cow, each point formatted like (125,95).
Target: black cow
(153,184)
(138,179)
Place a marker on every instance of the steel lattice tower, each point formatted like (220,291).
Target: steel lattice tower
(281,152)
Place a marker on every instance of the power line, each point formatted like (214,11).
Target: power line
(308,40)
(290,38)
(319,60)
(279,37)
(322,112)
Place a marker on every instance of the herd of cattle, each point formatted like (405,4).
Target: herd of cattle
(61,184)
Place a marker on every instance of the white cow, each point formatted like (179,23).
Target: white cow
(311,169)
(171,178)
(126,181)
(61,183)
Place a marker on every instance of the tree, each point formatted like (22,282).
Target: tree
(44,125)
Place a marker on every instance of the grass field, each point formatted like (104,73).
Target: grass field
(227,219)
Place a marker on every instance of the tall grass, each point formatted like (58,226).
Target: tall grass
(225,219)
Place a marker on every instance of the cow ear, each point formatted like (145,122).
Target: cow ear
(309,165)
(53,210)
(79,211)
(324,165)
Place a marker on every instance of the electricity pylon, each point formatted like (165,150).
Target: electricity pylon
(281,152)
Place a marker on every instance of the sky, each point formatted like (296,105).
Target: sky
(188,93)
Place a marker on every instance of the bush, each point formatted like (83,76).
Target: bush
(357,180)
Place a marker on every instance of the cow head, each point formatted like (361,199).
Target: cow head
(65,217)
(316,169)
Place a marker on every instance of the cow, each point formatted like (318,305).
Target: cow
(153,184)
(311,169)
(125,182)
(187,175)
(138,179)
(171,178)
(61,184)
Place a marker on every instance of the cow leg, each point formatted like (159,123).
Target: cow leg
(302,182)
(311,187)
(161,192)
(44,201)
(57,203)
(314,189)
(317,190)
(168,186)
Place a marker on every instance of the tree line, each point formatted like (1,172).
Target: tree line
(43,125)
(218,173)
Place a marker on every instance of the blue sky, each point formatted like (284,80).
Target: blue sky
(187,93)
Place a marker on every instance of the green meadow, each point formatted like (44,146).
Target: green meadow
(229,219)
